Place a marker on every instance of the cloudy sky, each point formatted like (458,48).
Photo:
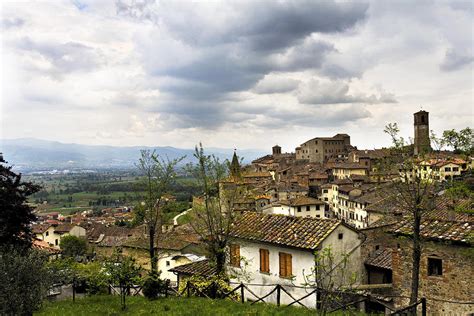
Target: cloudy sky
(245,74)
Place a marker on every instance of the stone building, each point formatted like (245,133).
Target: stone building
(422,133)
(320,149)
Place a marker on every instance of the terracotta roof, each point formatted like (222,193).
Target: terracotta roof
(349,165)
(381,258)
(372,153)
(257,175)
(44,246)
(439,230)
(64,228)
(40,228)
(303,200)
(299,232)
(201,268)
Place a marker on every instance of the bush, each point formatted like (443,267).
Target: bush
(72,246)
(154,286)
(214,287)
(24,281)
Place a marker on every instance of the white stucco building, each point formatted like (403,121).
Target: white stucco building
(276,249)
(300,207)
(52,234)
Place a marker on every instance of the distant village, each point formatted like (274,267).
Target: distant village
(326,193)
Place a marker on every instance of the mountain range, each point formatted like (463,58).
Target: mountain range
(37,154)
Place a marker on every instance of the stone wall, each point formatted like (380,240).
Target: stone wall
(455,283)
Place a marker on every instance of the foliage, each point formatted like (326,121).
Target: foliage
(159,174)
(73,246)
(91,274)
(94,276)
(212,218)
(330,275)
(124,272)
(153,286)
(24,280)
(193,306)
(15,214)
(214,287)
(462,141)
(457,192)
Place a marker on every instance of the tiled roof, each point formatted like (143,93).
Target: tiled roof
(201,268)
(439,230)
(44,246)
(301,201)
(381,258)
(64,228)
(39,228)
(299,232)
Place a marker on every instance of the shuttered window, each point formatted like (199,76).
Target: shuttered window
(235,255)
(285,265)
(264,260)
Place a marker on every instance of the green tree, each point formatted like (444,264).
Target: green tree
(159,174)
(462,141)
(73,246)
(15,214)
(24,280)
(124,273)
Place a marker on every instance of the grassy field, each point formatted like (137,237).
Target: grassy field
(110,305)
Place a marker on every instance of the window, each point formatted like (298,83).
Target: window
(167,263)
(317,207)
(447,169)
(435,266)
(285,265)
(455,169)
(325,191)
(264,260)
(299,208)
(235,255)
(47,233)
(307,208)
(340,236)
(56,242)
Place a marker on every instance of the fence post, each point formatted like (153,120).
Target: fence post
(423,306)
(242,291)
(73,289)
(187,288)
(278,294)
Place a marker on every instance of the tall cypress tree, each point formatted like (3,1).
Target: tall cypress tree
(15,214)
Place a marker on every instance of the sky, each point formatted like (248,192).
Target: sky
(232,74)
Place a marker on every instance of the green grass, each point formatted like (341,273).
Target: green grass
(110,305)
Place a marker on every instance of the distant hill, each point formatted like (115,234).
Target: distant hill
(31,153)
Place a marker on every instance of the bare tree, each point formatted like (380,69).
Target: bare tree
(212,217)
(414,193)
(332,278)
(159,174)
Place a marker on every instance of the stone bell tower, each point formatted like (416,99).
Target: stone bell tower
(422,133)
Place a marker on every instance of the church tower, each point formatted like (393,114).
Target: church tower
(235,167)
(422,133)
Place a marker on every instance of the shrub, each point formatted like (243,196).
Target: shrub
(214,287)
(154,286)
(24,281)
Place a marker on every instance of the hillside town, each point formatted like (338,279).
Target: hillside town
(326,194)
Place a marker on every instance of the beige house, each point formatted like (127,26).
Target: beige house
(299,207)
(348,170)
(52,234)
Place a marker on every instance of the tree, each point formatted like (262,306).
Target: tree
(414,193)
(124,272)
(462,141)
(330,276)
(159,174)
(72,246)
(24,280)
(212,219)
(15,214)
